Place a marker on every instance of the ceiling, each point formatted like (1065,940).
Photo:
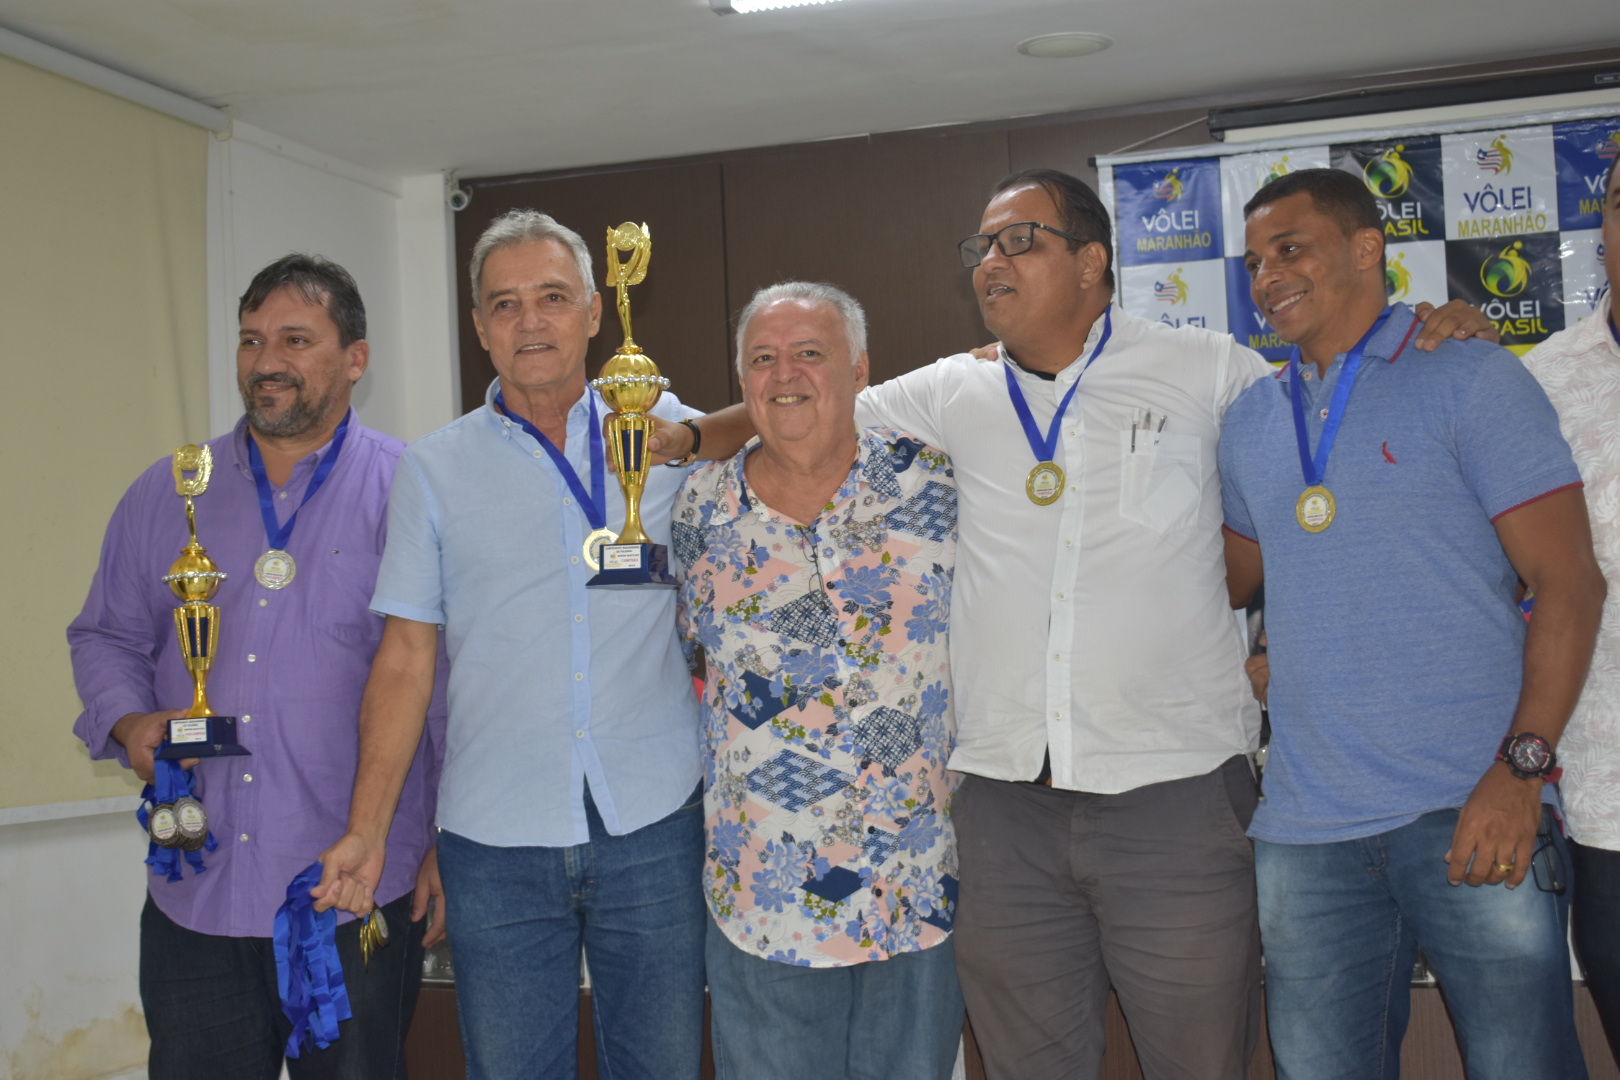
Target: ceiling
(499,86)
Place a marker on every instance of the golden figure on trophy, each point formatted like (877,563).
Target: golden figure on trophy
(631,385)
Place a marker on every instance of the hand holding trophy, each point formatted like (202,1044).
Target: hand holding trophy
(631,385)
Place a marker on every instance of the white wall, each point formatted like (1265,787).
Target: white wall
(72,881)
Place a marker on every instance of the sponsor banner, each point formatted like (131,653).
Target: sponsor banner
(1517,282)
(1245,320)
(1499,183)
(1168,211)
(1582,259)
(1415,273)
(1584,152)
(1405,179)
(1244,174)
(1177,294)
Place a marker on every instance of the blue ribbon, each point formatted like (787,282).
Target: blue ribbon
(594,504)
(1316,467)
(1045,447)
(308,970)
(170,782)
(280,534)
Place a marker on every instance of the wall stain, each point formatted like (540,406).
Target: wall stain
(104,1047)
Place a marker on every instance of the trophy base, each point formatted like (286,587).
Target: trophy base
(201,737)
(633,566)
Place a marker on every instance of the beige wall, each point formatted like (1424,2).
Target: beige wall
(102,351)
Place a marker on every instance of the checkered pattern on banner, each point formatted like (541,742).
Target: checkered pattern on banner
(1505,218)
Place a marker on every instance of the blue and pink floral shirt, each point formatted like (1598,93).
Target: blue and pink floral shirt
(827,706)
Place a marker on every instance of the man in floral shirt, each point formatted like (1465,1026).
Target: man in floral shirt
(817,577)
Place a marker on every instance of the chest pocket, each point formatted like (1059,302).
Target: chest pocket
(1161,483)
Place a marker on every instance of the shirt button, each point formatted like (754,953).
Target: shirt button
(244,838)
(263,602)
(578,676)
(579,734)
(871,828)
(877,891)
(247,719)
(1068,543)
(568,502)
(1057,656)
(1058,715)
(579,618)
(283,495)
(248,777)
(574,559)
(252,659)
(537,453)
(1063,596)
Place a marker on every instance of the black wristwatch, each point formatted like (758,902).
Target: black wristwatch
(1530,757)
(691,455)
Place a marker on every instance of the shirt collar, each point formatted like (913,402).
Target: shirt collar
(506,426)
(1085,352)
(874,468)
(1387,345)
(306,464)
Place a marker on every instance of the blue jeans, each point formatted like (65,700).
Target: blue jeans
(895,1019)
(1342,923)
(518,917)
(213,1007)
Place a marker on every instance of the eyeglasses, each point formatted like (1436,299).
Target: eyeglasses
(1015,239)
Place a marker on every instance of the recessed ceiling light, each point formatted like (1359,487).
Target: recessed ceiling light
(743,7)
(1048,46)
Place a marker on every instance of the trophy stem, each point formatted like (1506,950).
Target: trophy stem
(199,701)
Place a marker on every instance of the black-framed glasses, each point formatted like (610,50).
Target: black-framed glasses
(1013,240)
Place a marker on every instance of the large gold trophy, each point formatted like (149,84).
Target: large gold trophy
(631,385)
(195,578)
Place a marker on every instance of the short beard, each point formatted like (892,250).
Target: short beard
(301,417)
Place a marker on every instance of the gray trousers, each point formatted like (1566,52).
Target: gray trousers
(1065,894)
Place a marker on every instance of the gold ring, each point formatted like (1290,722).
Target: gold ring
(1504,868)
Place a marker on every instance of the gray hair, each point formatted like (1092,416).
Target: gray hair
(814,292)
(527,227)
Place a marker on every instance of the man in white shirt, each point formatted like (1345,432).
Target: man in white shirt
(1104,721)
(1579,368)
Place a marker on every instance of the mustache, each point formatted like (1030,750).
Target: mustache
(276,378)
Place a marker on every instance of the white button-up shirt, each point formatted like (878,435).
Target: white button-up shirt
(1098,626)
(1580,370)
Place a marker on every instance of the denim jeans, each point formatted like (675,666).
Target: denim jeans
(1342,923)
(213,1007)
(1597,931)
(895,1019)
(517,918)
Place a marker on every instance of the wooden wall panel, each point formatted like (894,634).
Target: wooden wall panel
(679,312)
(1069,144)
(879,217)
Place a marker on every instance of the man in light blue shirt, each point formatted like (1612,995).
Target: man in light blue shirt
(570,809)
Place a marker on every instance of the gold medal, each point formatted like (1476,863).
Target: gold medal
(275,569)
(594,544)
(1045,483)
(1316,508)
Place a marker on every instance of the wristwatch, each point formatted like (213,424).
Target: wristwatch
(691,455)
(1530,757)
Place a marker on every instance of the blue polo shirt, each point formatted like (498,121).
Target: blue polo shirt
(1396,644)
(552,684)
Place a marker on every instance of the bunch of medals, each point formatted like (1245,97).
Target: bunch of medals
(373,934)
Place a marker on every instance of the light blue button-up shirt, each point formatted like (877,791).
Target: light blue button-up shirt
(552,685)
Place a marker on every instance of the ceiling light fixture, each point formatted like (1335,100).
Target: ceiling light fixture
(744,7)
(1068,43)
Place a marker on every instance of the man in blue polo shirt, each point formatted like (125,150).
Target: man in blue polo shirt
(1397,506)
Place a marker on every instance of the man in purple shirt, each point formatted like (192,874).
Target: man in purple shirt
(292,660)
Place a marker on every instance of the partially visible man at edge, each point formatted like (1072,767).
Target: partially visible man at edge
(1579,368)
(1104,726)
(293,660)
(816,570)
(571,806)
(1394,507)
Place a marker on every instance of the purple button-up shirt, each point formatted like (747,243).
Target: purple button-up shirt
(291,666)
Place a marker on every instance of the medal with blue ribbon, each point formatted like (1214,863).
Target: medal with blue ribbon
(1317,508)
(175,821)
(309,972)
(276,568)
(1045,483)
(594,502)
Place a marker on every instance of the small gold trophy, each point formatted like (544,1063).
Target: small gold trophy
(631,386)
(195,578)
